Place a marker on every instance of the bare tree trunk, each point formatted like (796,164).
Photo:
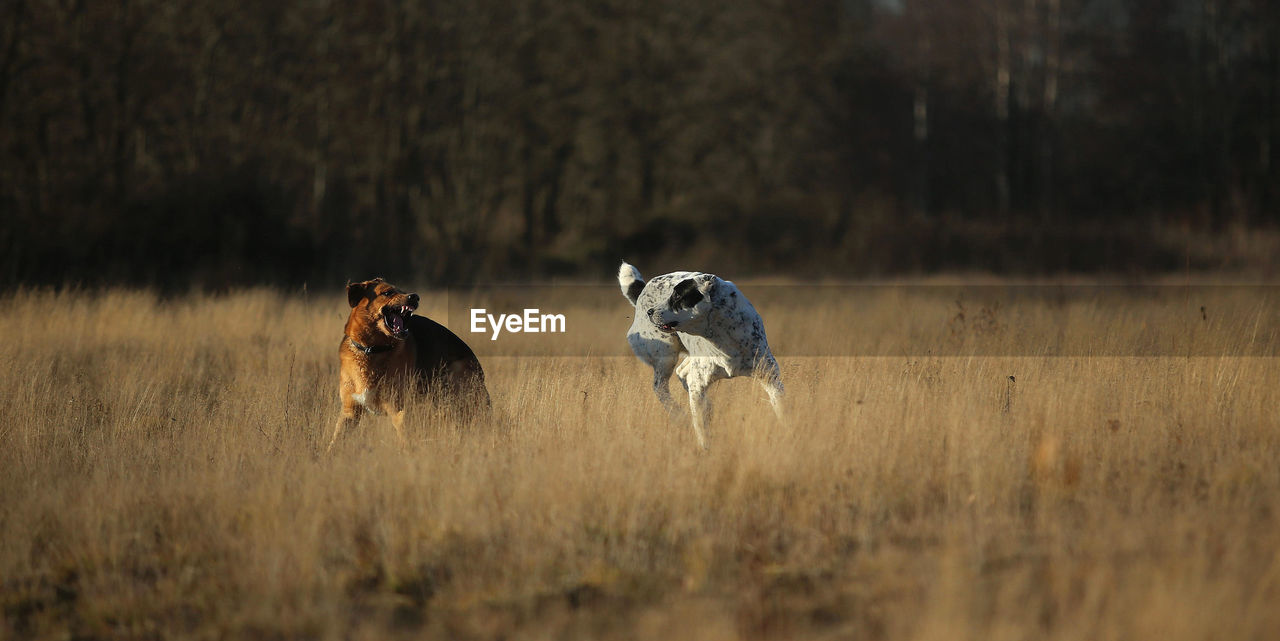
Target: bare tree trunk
(920,132)
(323,126)
(120,167)
(920,110)
(528,198)
(1270,137)
(10,60)
(1212,121)
(555,183)
(1003,74)
(196,138)
(1049,128)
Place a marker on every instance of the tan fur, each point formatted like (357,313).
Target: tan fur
(422,356)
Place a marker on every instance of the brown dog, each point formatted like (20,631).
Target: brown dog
(388,351)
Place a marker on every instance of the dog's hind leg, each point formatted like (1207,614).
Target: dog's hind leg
(467,387)
(773,387)
(770,379)
(397,421)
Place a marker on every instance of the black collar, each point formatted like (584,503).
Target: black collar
(369,349)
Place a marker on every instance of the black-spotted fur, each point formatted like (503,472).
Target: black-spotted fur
(708,320)
(685,295)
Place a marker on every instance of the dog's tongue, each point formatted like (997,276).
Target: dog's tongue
(395,321)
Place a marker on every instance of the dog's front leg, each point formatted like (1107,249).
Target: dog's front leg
(350,416)
(698,375)
(662,387)
(700,408)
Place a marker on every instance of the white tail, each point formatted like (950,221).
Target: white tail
(630,280)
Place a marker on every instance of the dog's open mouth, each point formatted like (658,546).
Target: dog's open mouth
(397,319)
(668,327)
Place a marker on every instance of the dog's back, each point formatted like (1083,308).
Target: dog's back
(445,363)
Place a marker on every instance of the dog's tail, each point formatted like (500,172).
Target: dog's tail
(631,281)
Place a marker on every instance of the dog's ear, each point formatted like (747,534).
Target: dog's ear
(357,291)
(686,294)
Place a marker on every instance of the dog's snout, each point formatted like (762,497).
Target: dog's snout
(413,299)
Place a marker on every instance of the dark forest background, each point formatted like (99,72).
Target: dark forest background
(220,142)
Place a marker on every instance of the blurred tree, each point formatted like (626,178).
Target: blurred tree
(220,143)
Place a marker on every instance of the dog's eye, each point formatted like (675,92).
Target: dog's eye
(685,295)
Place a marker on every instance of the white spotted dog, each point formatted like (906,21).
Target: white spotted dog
(706,318)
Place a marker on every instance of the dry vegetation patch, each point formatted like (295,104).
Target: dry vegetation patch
(162,479)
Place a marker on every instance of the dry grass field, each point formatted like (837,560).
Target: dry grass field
(161,477)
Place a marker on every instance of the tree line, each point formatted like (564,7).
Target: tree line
(222,143)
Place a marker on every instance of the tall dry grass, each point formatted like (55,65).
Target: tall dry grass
(161,479)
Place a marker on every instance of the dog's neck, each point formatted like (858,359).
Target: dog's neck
(715,333)
(367,340)
(368,350)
